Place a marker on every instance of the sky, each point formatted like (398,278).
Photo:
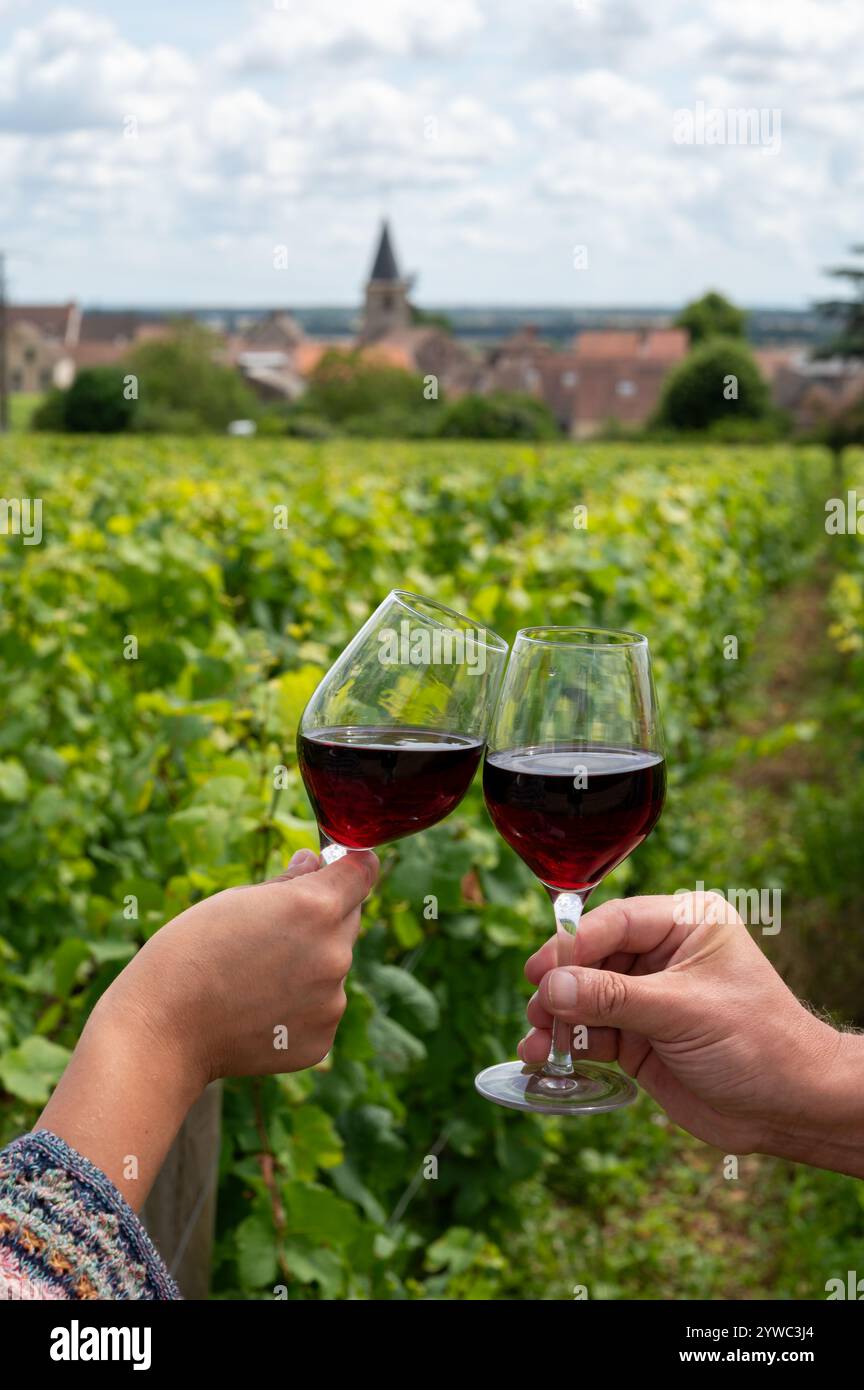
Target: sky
(556,152)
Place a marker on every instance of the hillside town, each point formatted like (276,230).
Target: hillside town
(604,377)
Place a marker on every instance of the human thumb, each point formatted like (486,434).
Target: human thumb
(646,1004)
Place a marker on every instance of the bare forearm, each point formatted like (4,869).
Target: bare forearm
(121,1100)
(829,1132)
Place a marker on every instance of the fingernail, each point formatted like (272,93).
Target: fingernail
(298,857)
(562,991)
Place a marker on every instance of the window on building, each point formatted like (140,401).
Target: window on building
(569,379)
(626,388)
(45,379)
(30,354)
(16,380)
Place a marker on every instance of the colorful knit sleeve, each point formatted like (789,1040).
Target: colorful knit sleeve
(66,1232)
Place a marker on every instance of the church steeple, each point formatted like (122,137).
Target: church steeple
(386,309)
(384,266)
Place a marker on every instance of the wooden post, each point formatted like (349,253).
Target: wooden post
(180,1212)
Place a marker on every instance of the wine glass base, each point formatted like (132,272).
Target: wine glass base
(592,1089)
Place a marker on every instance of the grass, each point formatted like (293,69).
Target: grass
(21,408)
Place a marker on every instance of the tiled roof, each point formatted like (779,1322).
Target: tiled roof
(668,344)
(607,343)
(99,354)
(58,321)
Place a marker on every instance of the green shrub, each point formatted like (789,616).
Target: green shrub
(179,381)
(732,430)
(695,393)
(498,416)
(50,414)
(350,385)
(298,425)
(393,423)
(95,403)
(152,417)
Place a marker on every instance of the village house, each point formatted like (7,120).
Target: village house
(605,377)
(40,345)
(812,390)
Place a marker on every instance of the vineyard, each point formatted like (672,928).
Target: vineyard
(156,651)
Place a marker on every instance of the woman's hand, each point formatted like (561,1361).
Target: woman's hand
(677,991)
(249,981)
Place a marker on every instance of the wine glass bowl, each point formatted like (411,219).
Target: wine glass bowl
(574,779)
(391,739)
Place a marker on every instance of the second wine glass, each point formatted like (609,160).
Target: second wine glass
(392,737)
(574,780)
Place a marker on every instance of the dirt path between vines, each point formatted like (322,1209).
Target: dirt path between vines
(792,664)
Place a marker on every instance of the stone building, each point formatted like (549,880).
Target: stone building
(40,345)
(386,309)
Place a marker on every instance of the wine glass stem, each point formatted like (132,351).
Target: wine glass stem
(330,850)
(568,911)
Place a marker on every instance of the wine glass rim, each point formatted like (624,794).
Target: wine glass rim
(621,637)
(409,599)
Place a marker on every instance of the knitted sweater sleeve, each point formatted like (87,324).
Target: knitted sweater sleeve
(67,1233)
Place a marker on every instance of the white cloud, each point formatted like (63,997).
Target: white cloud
(72,70)
(594,103)
(295,29)
(370,134)
(776,29)
(582,31)
(500,133)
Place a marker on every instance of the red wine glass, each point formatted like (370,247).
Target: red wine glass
(392,737)
(574,780)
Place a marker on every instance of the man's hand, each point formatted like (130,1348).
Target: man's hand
(676,990)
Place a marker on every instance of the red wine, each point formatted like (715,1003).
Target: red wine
(369,785)
(571,812)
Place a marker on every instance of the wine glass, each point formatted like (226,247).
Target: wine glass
(390,741)
(574,779)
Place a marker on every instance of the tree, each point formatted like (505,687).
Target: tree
(181,387)
(849,340)
(716,381)
(712,316)
(97,402)
(349,387)
(498,416)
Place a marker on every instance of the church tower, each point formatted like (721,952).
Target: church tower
(386,309)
